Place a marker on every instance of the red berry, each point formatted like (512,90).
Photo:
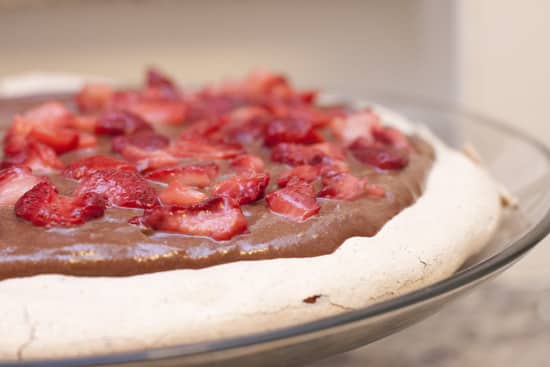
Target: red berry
(178,193)
(379,155)
(203,149)
(38,157)
(199,175)
(306,173)
(119,188)
(120,123)
(14,182)
(94,97)
(43,206)
(61,140)
(342,186)
(296,201)
(297,154)
(145,140)
(248,163)
(90,165)
(217,218)
(243,189)
(291,131)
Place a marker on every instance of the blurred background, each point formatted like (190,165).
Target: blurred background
(491,56)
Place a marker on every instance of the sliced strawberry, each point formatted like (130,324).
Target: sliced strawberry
(391,136)
(50,115)
(146,160)
(355,125)
(61,140)
(38,157)
(94,97)
(330,167)
(14,182)
(291,131)
(155,78)
(120,123)
(84,123)
(203,149)
(243,189)
(160,111)
(90,165)
(375,190)
(296,201)
(342,186)
(43,206)
(86,140)
(119,188)
(248,163)
(378,154)
(200,175)
(145,140)
(217,218)
(178,193)
(202,129)
(297,154)
(306,173)
(244,125)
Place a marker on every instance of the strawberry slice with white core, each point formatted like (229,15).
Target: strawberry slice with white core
(14,182)
(217,218)
(295,202)
(248,163)
(178,193)
(243,189)
(306,173)
(199,175)
(94,97)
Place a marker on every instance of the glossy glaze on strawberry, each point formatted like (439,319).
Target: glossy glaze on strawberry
(121,182)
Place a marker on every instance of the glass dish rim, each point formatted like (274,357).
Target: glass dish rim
(462,278)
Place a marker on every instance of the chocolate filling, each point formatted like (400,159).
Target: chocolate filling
(109,246)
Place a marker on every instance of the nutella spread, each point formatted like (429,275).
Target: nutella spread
(249,193)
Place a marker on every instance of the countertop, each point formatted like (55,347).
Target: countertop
(505,322)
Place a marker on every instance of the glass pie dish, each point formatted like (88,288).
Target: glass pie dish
(520,163)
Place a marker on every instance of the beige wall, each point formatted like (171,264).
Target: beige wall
(347,45)
(504,49)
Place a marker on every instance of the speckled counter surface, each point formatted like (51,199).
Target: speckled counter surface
(505,322)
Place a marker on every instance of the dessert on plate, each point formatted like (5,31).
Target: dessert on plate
(159,215)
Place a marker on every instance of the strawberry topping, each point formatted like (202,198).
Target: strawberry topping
(295,202)
(306,173)
(297,154)
(61,140)
(38,157)
(217,218)
(379,154)
(203,149)
(199,175)
(291,131)
(243,189)
(44,206)
(178,193)
(14,182)
(146,140)
(119,188)
(94,97)
(343,186)
(248,163)
(120,123)
(88,166)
